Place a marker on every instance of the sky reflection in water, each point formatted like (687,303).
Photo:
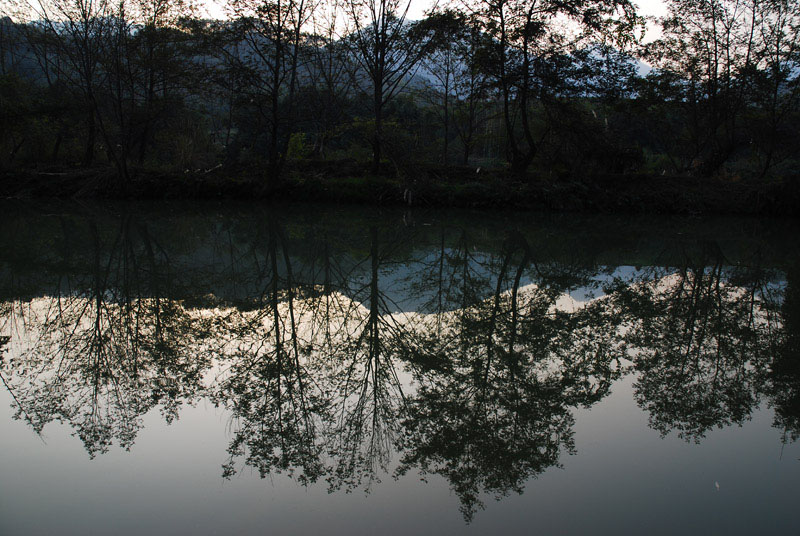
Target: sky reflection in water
(209,369)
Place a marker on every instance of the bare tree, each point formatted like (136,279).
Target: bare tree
(264,57)
(387,51)
(79,31)
(715,49)
(161,66)
(777,33)
(524,35)
(458,81)
(330,76)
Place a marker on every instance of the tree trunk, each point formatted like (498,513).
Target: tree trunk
(57,145)
(446,123)
(88,155)
(376,141)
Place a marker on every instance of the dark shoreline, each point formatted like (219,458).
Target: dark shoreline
(461,187)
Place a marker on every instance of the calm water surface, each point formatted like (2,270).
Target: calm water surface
(243,369)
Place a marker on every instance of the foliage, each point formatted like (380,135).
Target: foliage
(552,87)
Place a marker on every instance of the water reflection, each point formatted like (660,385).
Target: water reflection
(783,374)
(347,347)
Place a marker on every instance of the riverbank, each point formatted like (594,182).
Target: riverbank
(349,182)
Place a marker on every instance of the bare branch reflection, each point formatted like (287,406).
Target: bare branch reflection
(348,348)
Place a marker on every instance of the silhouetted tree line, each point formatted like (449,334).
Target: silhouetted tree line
(550,86)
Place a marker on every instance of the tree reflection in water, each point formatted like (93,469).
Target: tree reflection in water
(350,350)
(700,338)
(267,385)
(499,411)
(783,383)
(106,345)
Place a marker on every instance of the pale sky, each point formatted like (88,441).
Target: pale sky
(215,8)
(646,7)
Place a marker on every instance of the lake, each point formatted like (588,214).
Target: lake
(233,368)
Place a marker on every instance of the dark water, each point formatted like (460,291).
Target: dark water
(242,369)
